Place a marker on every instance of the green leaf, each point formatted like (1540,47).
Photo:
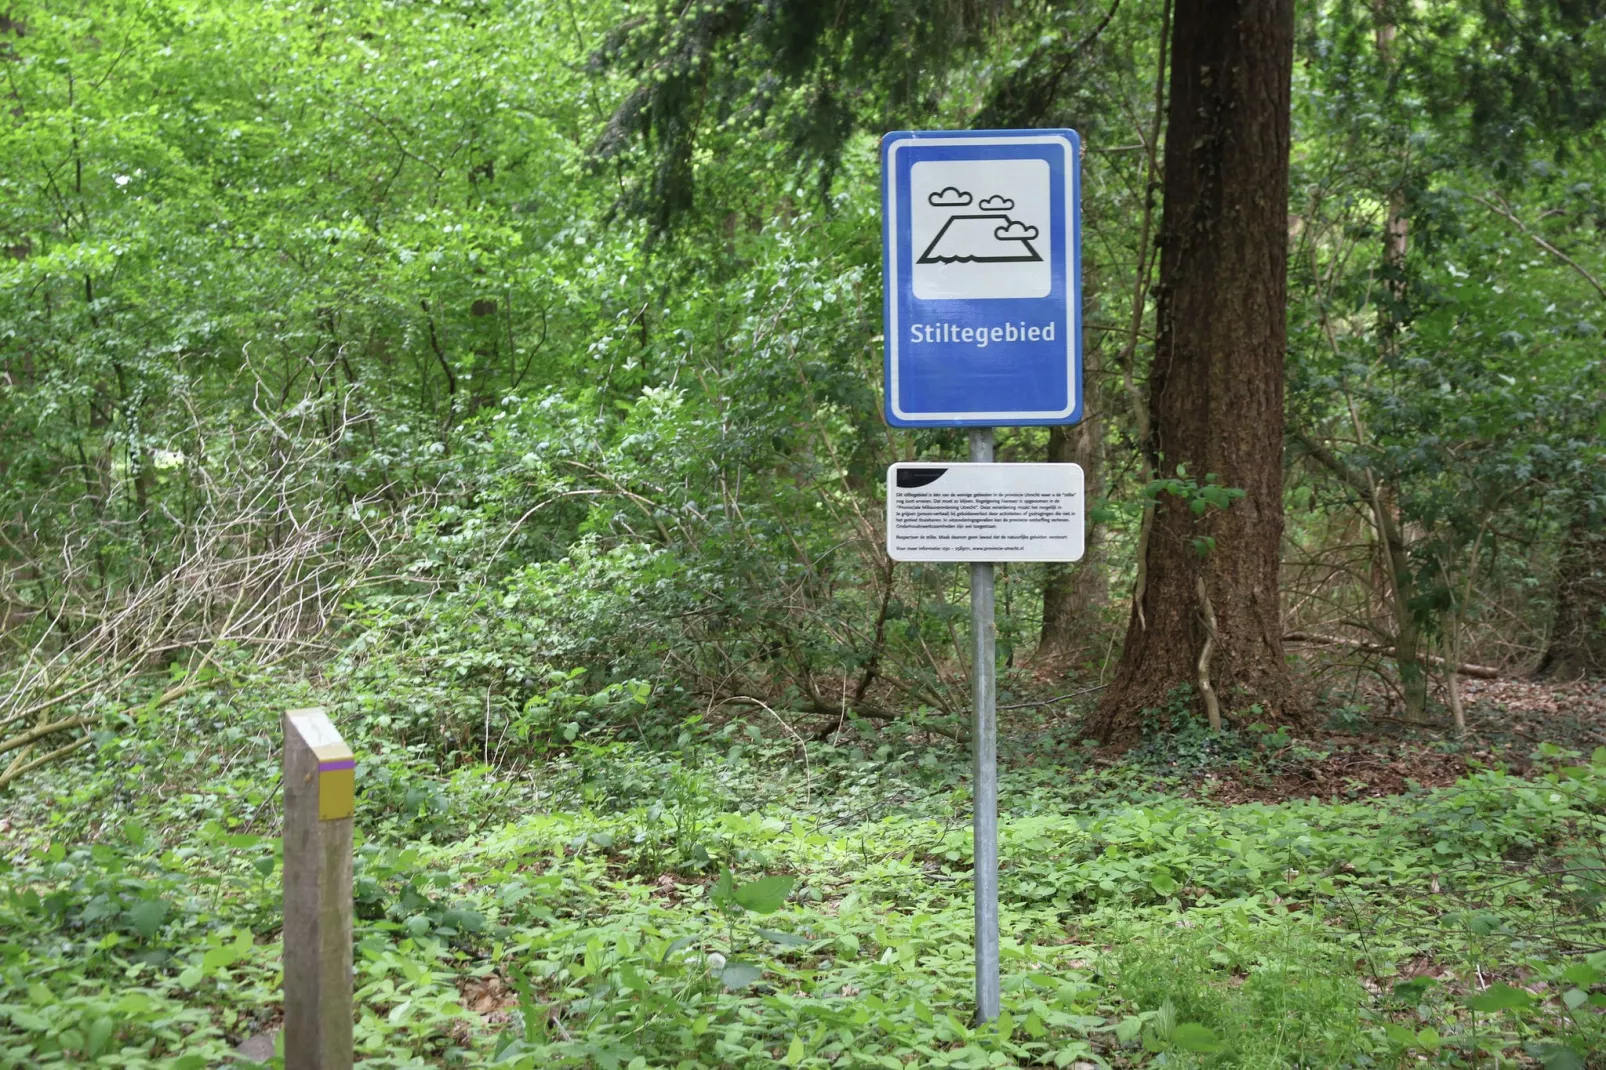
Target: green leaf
(529,1008)
(1581,974)
(100,1031)
(794,1051)
(1399,1035)
(1191,1036)
(1560,1058)
(765,895)
(33,1023)
(1165,1019)
(218,958)
(1412,990)
(462,919)
(1074,1052)
(739,975)
(1163,883)
(720,892)
(1500,997)
(631,980)
(784,939)
(147,915)
(134,833)
(1428,1039)
(133,1003)
(1574,998)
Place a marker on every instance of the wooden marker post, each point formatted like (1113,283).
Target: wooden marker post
(319,797)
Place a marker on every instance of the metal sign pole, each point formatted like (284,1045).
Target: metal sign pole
(981,254)
(984,769)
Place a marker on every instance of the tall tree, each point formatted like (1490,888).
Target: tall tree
(1206,611)
(1578,636)
(810,71)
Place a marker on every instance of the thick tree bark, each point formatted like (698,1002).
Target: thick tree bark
(1578,637)
(1216,387)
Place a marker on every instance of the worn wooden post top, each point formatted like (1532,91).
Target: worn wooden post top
(319,799)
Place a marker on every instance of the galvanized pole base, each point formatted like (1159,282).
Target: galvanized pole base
(984,768)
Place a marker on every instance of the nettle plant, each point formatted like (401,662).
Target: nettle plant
(650,991)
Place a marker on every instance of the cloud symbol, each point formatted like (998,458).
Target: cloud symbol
(1015,232)
(951,197)
(996,204)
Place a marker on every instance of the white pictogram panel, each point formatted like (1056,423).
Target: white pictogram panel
(980,229)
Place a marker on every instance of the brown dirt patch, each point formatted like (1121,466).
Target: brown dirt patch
(490,996)
(1349,768)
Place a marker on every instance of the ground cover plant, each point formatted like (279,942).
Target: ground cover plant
(711,901)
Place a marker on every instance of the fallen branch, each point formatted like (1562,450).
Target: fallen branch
(60,752)
(33,734)
(870,712)
(259,566)
(1051,701)
(1482,672)
(27,739)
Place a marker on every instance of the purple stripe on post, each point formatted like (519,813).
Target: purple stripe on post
(330,767)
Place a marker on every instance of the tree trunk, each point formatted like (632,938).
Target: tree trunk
(1392,310)
(1578,638)
(1216,387)
(1402,588)
(1073,594)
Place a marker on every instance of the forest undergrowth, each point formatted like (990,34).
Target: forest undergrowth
(738,896)
(507,378)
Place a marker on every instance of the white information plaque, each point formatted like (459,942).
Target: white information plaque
(939,511)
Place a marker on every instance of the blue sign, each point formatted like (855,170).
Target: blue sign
(981,245)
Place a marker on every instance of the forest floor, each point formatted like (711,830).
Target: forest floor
(1506,720)
(1376,895)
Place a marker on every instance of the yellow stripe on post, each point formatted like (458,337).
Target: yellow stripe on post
(337,781)
(337,793)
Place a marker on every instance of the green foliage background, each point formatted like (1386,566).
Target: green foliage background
(504,376)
